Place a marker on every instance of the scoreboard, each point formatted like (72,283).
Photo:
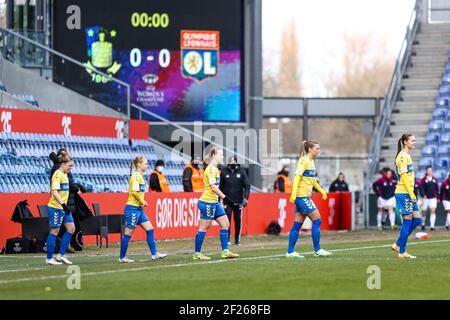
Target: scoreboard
(182,58)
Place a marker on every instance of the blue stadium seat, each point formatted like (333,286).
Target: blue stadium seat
(443,162)
(433,138)
(440,174)
(444,150)
(447,127)
(439,114)
(429,151)
(436,126)
(444,91)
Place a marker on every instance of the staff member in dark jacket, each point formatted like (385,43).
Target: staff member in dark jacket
(235,184)
(74,191)
(339,185)
(158,181)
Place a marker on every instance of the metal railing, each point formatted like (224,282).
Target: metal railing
(392,95)
(202,138)
(29,53)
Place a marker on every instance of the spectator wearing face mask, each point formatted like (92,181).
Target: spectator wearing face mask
(158,182)
(193,176)
(283,183)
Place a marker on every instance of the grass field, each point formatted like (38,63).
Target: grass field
(262,272)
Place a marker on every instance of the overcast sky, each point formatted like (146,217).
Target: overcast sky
(321,25)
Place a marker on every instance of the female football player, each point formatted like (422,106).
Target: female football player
(134,211)
(210,207)
(58,212)
(404,194)
(304,181)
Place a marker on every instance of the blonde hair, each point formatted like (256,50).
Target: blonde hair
(306,145)
(135,162)
(211,153)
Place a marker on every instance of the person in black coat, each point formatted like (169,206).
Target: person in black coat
(339,185)
(235,184)
(74,189)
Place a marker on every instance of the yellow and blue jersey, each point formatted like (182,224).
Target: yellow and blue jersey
(404,164)
(211,177)
(136,184)
(60,182)
(306,169)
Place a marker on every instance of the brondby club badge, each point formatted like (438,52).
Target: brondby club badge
(199,54)
(101,54)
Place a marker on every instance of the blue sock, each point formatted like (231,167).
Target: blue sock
(404,234)
(315,234)
(293,236)
(51,242)
(124,246)
(151,241)
(65,241)
(199,240)
(224,239)
(415,223)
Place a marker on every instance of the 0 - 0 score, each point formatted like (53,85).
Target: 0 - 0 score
(136,58)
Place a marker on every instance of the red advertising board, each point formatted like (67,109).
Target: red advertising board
(175,215)
(31,121)
(139,130)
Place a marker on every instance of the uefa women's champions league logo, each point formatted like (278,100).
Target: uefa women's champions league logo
(100,52)
(199,54)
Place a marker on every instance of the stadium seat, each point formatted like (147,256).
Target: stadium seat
(436,126)
(442,102)
(24,157)
(440,174)
(426,162)
(447,127)
(429,151)
(443,150)
(443,163)
(439,114)
(444,91)
(445,138)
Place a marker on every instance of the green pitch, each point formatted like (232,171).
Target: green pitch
(262,272)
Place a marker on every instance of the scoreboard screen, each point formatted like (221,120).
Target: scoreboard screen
(183,59)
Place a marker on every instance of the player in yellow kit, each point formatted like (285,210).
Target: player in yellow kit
(404,194)
(134,211)
(210,207)
(304,181)
(58,212)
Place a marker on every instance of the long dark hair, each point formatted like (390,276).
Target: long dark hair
(401,143)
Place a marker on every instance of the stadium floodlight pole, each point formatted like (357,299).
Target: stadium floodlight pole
(65,57)
(198,136)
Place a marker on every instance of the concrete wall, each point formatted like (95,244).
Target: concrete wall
(7,99)
(50,96)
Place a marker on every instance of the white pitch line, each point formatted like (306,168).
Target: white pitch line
(19,270)
(199,263)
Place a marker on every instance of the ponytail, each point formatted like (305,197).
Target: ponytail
(207,158)
(401,143)
(135,162)
(306,145)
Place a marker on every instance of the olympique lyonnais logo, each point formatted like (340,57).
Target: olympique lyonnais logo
(200,54)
